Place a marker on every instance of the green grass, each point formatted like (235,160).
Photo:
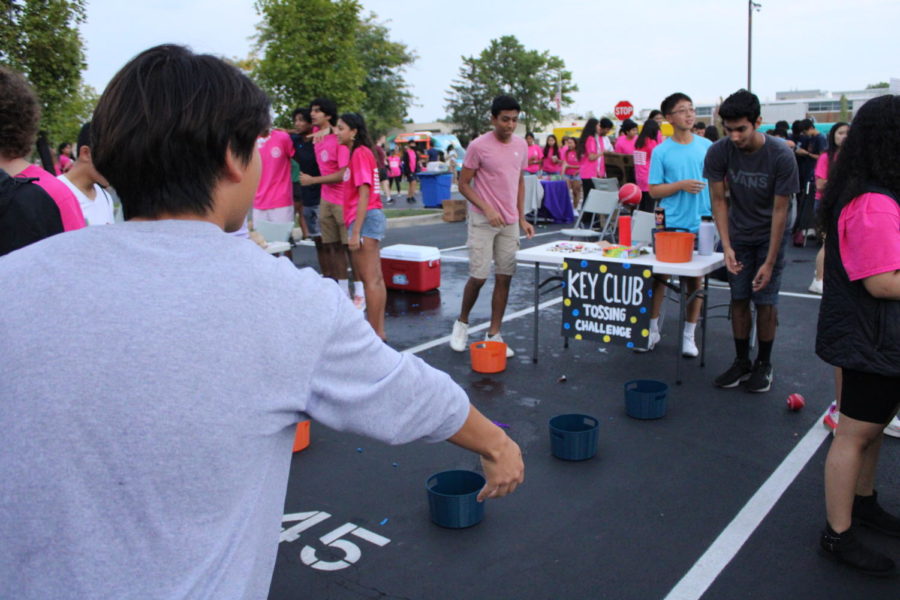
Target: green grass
(392,213)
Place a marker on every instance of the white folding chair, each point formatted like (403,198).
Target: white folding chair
(606,184)
(598,204)
(642,224)
(277,235)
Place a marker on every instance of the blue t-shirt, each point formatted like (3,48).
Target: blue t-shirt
(673,162)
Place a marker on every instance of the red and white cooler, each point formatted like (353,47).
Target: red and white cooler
(409,267)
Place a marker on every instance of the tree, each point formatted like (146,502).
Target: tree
(845,109)
(310,48)
(386,93)
(878,86)
(40,39)
(507,67)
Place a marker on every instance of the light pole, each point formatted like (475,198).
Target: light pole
(751,6)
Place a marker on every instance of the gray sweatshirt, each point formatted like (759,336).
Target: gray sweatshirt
(151,375)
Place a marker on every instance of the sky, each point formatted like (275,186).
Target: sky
(656,47)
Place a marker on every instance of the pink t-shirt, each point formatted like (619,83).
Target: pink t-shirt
(274,189)
(534,152)
(65,163)
(642,164)
(624,145)
(571,157)
(821,171)
(591,168)
(869,236)
(498,167)
(362,171)
(332,157)
(547,163)
(394,166)
(69,209)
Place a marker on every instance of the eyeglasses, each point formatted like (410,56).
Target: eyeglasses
(685,111)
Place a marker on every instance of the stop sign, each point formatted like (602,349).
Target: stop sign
(623,110)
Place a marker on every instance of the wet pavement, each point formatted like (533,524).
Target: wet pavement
(629,523)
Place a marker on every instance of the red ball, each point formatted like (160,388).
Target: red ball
(630,194)
(795,402)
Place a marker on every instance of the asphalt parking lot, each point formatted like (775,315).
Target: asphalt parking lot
(720,499)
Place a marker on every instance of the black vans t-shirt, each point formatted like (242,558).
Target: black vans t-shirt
(305,155)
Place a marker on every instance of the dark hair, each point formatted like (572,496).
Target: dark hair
(653,114)
(43,149)
(502,103)
(832,142)
(868,156)
(528,133)
(162,128)
(327,106)
(62,147)
(739,105)
(796,129)
(627,125)
(303,112)
(356,121)
(590,130)
(84,137)
(547,145)
(668,105)
(19,115)
(700,125)
(605,123)
(711,133)
(806,124)
(649,132)
(783,125)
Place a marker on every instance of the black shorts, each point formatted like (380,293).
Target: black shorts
(869,397)
(752,258)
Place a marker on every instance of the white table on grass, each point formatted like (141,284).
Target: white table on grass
(699,266)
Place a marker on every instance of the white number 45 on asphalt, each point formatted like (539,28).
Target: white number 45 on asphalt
(333,539)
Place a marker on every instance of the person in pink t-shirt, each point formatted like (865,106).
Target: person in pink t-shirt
(643,152)
(627,137)
(590,155)
(571,168)
(333,159)
(19,116)
(492,181)
(64,151)
(551,162)
(363,216)
(859,329)
(274,199)
(534,155)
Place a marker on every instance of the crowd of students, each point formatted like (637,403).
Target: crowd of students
(187,188)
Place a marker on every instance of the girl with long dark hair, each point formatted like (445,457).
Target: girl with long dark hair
(551,161)
(643,150)
(363,216)
(835,138)
(859,326)
(590,155)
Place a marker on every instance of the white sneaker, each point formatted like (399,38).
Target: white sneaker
(654,340)
(893,428)
(688,346)
(499,338)
(459,339)
(816,286)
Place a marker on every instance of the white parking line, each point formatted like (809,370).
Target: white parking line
(708,567)
(480,326)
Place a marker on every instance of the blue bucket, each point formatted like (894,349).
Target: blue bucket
(452,498)
(574,437)
(645,399)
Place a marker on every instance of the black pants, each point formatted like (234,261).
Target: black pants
(648,204)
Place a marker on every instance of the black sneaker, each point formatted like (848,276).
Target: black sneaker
(738,371)
(867,512)
(410,200)
(761,378)
(846,549)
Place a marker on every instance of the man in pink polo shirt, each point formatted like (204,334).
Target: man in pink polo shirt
(495,161)
(333,159)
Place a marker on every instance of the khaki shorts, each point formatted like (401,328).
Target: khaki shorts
(488,244)
(331,223)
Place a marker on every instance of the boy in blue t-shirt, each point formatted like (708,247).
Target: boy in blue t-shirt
(676,180)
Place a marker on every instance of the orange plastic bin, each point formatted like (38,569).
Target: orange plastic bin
(488,357)
(674,246)
(301,439)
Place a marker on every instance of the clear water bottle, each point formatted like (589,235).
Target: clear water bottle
(706,236)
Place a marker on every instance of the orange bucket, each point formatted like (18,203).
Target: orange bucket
(674,246)
(301,439)
(488,357)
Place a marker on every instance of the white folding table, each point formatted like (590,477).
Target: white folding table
(699,266)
